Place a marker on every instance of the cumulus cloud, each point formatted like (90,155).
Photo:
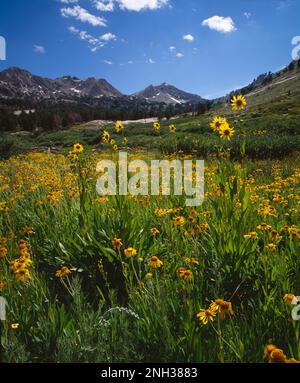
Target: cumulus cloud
(108,62)
(179,55)
(151,61)
(220,24)
(130,5)
(140,5)
(105,5)
(247,15)
(189,38)
(108,36)
(39,49)
(83,15)
(172,49)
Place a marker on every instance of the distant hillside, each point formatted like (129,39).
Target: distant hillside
(264,82)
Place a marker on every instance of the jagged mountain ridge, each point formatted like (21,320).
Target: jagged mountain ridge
(18,83)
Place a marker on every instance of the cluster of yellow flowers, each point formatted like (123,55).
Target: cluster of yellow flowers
(219,306)
(291,233)
(164,212)
(20,267)
(157,127)
(221,126)
(106,137)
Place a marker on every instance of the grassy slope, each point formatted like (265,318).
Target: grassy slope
(270,123)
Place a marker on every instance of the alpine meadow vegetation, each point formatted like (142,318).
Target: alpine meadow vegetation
(90,278)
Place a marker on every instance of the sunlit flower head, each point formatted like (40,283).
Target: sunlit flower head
(186,274)
(156,126)
(226,133)
(63,272)
(22,274)
(217,123)
(106,137)
(238,102)
(172,128)
(179,221)
(206,316)
(118,126)
(130,252)
(78,148)
(224,308)
(155,263)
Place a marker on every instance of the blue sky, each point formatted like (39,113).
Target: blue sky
(204,47)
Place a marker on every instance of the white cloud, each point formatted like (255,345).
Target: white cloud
(172,49)
(104,5)
(151,61)
(220,24)
(247,15)
(108,62)
(189,38)
(179,55)
(68,1)
(83,15)
(73,30)
(39,49)
(94,43)
(108,36)
(140,5)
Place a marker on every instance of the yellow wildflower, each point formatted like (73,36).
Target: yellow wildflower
(63,272)
(155,263)
(130,252)
(238,102)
